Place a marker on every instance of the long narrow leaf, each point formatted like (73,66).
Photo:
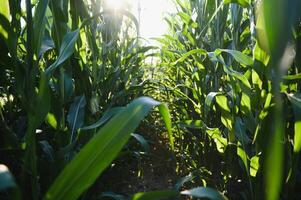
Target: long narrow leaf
(66,50)
(100,151)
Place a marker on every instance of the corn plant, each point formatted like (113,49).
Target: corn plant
(226,86)
(57,80)
(73,74)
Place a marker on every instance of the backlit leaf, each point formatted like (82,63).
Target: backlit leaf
(243,3)
(100,151)
(204,192)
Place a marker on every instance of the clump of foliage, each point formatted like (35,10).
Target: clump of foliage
(67,74)
(232,76)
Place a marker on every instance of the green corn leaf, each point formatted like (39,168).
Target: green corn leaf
(216,56)
(204,192)
(51,120)
(195,124)
(241,152)
(208,101)
(185,179)
(42,102)
(39,24)
(76,115)
(167,120)
(275,26)
(4,11)
(292,77)
(226,116)
(222,101)
(66,50)
(47,149)
(295,99)
(243,3)
(100,151)
(256,80)
(240,132)
(263,114)
(238,76)
(254,165)
(68,87)
(273,165)
(241,135)
(245,104)
(158,195)
(142,141)
(189,53)
(260,55)
(8,34)
(239,57)
(46,44)
(105,118)
(220,141)
(185,17)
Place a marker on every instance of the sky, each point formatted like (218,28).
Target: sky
(151,19)
(151,15)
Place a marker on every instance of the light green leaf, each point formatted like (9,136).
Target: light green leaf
(238,76)
(220,141)
(295,99)
(195,124)
(222,101)
(292,77)
(100,151)
(254,165)
(260,55)
(216,56)
(243,156)
(239,57)
(4,10)
(226,116)
(243,3)
(51,120)
(209,100)
(273,165)
(245,104)
(263,113)
(167,120)
(189,53)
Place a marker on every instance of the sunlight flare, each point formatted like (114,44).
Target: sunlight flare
(114,4)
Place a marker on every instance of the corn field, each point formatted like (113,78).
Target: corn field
(80,102)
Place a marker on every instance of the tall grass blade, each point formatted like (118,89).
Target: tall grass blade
(100,151)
